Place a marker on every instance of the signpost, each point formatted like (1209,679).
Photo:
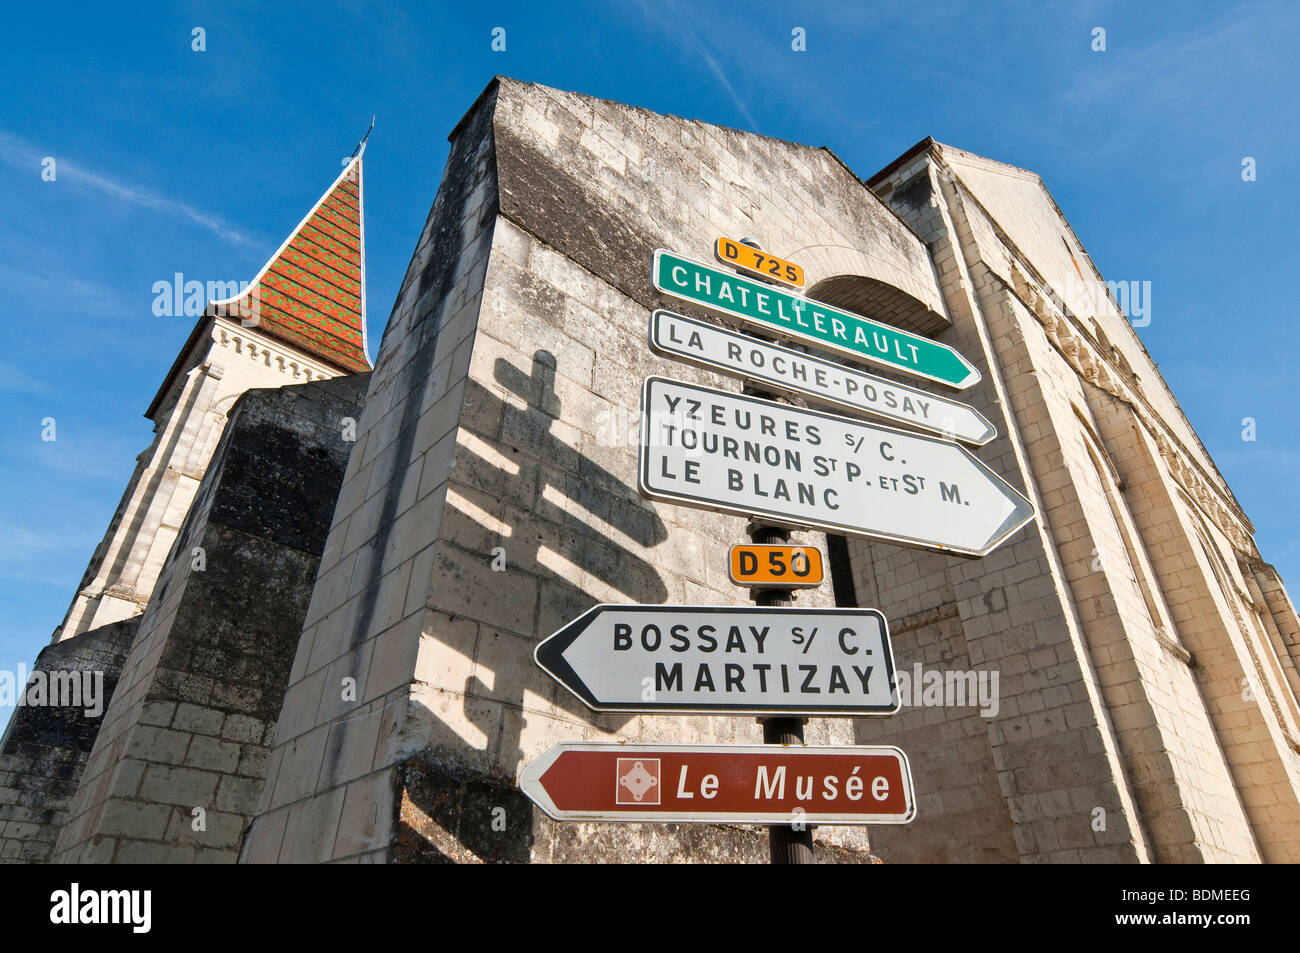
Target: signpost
(821,325)
(784,467)
(713,784)
(803,468)
(738,660)
(776,567)
(794,372)
(751,259)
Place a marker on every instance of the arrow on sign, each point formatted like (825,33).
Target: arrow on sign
(819,324)
(711,784)
(737,659)
(797,373)
(803,468)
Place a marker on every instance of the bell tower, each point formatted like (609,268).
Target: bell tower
(302,318)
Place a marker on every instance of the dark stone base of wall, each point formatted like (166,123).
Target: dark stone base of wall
(449,814)
(45,748)
(217,640)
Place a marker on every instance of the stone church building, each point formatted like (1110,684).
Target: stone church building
(317,603)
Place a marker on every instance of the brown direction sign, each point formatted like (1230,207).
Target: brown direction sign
(710,784)
(776,567)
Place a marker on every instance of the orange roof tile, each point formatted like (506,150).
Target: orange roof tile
(311,294)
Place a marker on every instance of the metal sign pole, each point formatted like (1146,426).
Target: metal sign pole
(786,845)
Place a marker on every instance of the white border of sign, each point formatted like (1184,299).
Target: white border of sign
(784,386)
(776,518)
(565,676)
(530,782)
(973,377)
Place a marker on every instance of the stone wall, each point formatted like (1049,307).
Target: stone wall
(220,362)
(179,763)
(1123,730)
(336,661)
(45,747)
(501,427)
(330,790)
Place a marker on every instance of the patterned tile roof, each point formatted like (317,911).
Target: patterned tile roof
(311,294)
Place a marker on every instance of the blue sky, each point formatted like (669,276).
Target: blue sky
(171,160)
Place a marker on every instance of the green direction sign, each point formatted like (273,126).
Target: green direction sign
(770,307)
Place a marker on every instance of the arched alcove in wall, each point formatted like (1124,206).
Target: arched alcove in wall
(879,301)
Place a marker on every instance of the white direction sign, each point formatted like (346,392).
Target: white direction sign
(788,371)
(741,660)
(803,468)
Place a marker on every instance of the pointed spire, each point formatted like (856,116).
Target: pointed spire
(360,150)
(311,293)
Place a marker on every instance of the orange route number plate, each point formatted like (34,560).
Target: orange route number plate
(759,262)
(781,567)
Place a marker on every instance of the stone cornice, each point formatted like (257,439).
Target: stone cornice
(1105,367)
(249,345)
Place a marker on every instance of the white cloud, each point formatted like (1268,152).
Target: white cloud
(15,380)
(21,154)
(1202,63)
(674,19)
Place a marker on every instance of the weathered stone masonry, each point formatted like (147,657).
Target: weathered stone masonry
(44,749)
(519,336)
(350,678)
(301,319)
(203,684)
(502,414)
(1122,645)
